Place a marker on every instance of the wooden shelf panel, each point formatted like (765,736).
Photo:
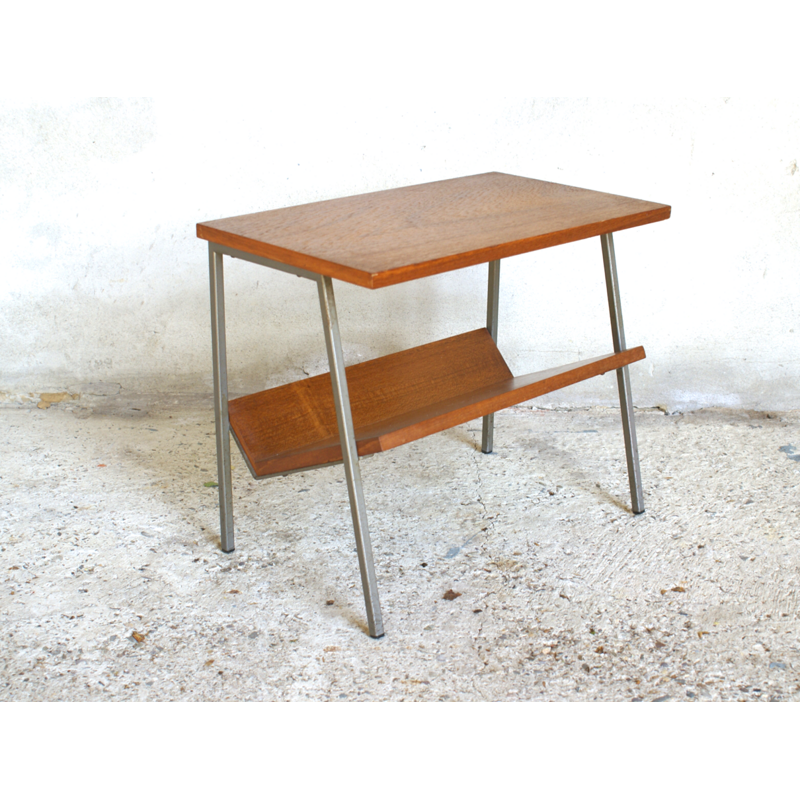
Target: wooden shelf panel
(395,400)
(396,235)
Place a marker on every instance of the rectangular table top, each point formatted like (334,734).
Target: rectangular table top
(387,237)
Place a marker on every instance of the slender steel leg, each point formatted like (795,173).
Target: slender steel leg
(216,279)
(492,307)
(344,419)
(623,378)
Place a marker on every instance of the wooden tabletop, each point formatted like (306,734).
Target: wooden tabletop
(382,238)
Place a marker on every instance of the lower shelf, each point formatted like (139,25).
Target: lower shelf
(394,399)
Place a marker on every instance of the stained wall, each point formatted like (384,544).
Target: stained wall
(104,286)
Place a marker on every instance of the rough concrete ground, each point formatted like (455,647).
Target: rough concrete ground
(112,584)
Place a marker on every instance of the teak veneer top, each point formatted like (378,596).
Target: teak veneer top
(382,238)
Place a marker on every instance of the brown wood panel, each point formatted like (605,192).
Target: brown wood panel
(383,238)
(395,400)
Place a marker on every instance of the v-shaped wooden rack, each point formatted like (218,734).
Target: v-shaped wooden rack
(394,400)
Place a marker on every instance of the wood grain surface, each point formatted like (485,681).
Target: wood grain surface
(395,400)
(383,238)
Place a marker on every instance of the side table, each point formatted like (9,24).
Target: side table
(381,239)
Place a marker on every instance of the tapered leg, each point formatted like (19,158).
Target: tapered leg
(216,280)
(623,378)
(344,418)
(492,307)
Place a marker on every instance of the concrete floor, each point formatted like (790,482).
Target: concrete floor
(113,585)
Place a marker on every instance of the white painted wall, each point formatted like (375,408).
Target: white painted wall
(103,279)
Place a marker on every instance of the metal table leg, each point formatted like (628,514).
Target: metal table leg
(492,307)
(623,378)
(216,280)
(344,419)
